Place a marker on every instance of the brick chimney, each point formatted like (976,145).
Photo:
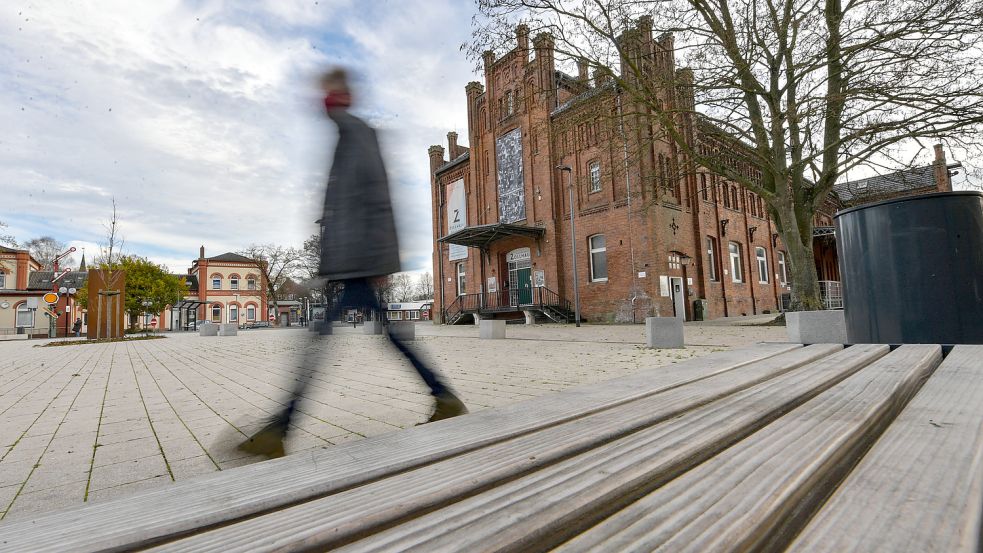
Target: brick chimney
(436,157)
(452,151)
(522,41)
(201,252)
(942,181)
(582,74)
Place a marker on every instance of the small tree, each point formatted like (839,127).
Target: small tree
(145,281)
(403,287)
(111,250)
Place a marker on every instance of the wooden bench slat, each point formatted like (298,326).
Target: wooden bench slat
(754,496)
(920,488)
(220,498)
(669,447)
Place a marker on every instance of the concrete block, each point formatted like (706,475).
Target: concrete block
(372,327)
(530,317)
(208,329)
(664,332)
(13,337)
(228,329)
(816,327)
(491,329)
(402,331)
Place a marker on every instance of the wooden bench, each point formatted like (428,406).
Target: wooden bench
(828,447)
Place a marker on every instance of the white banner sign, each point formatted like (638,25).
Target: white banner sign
(457,217)
(664,286)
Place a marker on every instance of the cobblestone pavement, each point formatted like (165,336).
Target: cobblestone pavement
(89,422)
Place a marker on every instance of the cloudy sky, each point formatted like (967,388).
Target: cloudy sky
(200,117)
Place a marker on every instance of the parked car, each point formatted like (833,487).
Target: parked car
(191,325)
(258,324)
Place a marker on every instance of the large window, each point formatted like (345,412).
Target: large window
(762,257)
(234,283)
(736,272)
(216,284)
(460,279)
(233,313)
(595,176)
(250,313)
(598,258)
(251,284)
(217,313)
(3,280)
(712,258)
(782,271)
(25,317)
(395,315)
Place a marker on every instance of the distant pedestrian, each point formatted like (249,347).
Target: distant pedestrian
(358,247)
(77,327)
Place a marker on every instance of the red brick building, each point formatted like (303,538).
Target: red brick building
(655,234)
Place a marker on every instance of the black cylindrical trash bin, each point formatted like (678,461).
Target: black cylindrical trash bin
(912,269)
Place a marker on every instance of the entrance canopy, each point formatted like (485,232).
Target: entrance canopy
(482,236)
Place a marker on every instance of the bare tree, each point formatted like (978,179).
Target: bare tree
(403,287)
(45,249)
(277,264)
(111,251)
(424,286)
(780,96)
(6,239)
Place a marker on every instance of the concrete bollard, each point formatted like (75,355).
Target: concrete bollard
(208,329)
(491,330)
(664,332)
(402,331)
(816,327)
(372,327)
(228,329)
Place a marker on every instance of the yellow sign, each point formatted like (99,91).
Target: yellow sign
(51,297)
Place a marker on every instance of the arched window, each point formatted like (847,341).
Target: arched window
(598,258)
(234,281)
(216,312)
(216,281)
(250,311)
(594,170)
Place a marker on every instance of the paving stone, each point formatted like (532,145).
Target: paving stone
(187,379)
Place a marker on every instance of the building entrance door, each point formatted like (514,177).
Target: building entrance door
(520,276)
(678,297)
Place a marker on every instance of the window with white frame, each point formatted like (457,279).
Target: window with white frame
(762,257)
(250,313)
(251,284)
(598,258)
(395,315)
(782,271)
(736,271)
(25,317)
(234,283)
(233,313)
(712,258)
(460,279)
(595,176)
(217,313)
(3,279)
(216,283)
(414,314)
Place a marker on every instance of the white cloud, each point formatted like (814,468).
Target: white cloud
(200,118)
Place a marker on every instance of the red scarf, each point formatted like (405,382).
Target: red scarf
(338,99)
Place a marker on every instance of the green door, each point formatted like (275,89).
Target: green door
(524,278)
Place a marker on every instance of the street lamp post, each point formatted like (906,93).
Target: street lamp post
(146,316)
(573,245)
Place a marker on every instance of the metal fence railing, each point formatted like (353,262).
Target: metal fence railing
(831,294)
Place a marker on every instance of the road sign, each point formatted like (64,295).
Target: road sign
(153,322)
(51,297)
(272,318)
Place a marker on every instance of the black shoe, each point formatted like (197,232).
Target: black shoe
(268,441)
(447,406)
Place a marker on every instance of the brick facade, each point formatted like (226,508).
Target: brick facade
(657,211)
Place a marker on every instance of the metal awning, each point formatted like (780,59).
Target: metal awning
(482,236)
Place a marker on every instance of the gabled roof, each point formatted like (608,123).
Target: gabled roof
(463,157)
(907,180)
(41,280)
(5,249)
(229,256)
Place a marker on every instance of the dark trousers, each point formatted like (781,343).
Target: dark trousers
(360,294)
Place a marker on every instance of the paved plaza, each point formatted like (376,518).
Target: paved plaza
(89,422)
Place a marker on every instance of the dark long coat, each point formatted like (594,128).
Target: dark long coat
(358,233)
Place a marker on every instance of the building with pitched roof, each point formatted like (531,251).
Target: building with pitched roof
(22,287)
(226,288)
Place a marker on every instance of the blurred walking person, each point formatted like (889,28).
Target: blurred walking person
(358,246)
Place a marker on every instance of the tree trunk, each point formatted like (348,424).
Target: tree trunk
(798,240)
